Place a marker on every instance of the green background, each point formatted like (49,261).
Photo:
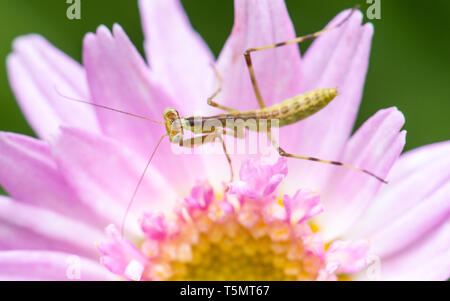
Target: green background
(409,65)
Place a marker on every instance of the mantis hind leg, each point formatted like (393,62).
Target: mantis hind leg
(248,58)
(288,155)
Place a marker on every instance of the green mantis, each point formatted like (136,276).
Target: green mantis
(211,128)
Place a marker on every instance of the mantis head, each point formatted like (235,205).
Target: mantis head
(173,125)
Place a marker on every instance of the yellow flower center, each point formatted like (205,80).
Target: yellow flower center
(241,247)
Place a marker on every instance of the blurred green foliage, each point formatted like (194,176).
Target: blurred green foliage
(409,65)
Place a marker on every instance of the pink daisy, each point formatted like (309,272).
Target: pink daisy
(283,219)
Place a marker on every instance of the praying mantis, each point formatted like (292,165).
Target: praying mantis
(287,112)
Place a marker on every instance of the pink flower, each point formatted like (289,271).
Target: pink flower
(332,223)
(259,180)
(302,206)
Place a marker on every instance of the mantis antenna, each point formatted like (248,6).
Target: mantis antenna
(105,107)
(122,226)
(130,203)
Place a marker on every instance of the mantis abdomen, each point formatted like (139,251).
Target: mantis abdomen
(287,112)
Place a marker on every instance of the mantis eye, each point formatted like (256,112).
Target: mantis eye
(171,114)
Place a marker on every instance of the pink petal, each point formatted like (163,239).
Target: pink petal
(153,225)
(29,173)
(202,195)
(350,257)
(119,78)
(328,274)
(427,259)
(50,266)
(375,147)
(37,70)
(57,231)
(156,226)
(302,206)
(25,239)
(339,59)
(414,223)
(177,54)
(259,180)
(259,23)
(332,51)
(105,174)
(121,256)
(418,159)
(273,183)
(418,177)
